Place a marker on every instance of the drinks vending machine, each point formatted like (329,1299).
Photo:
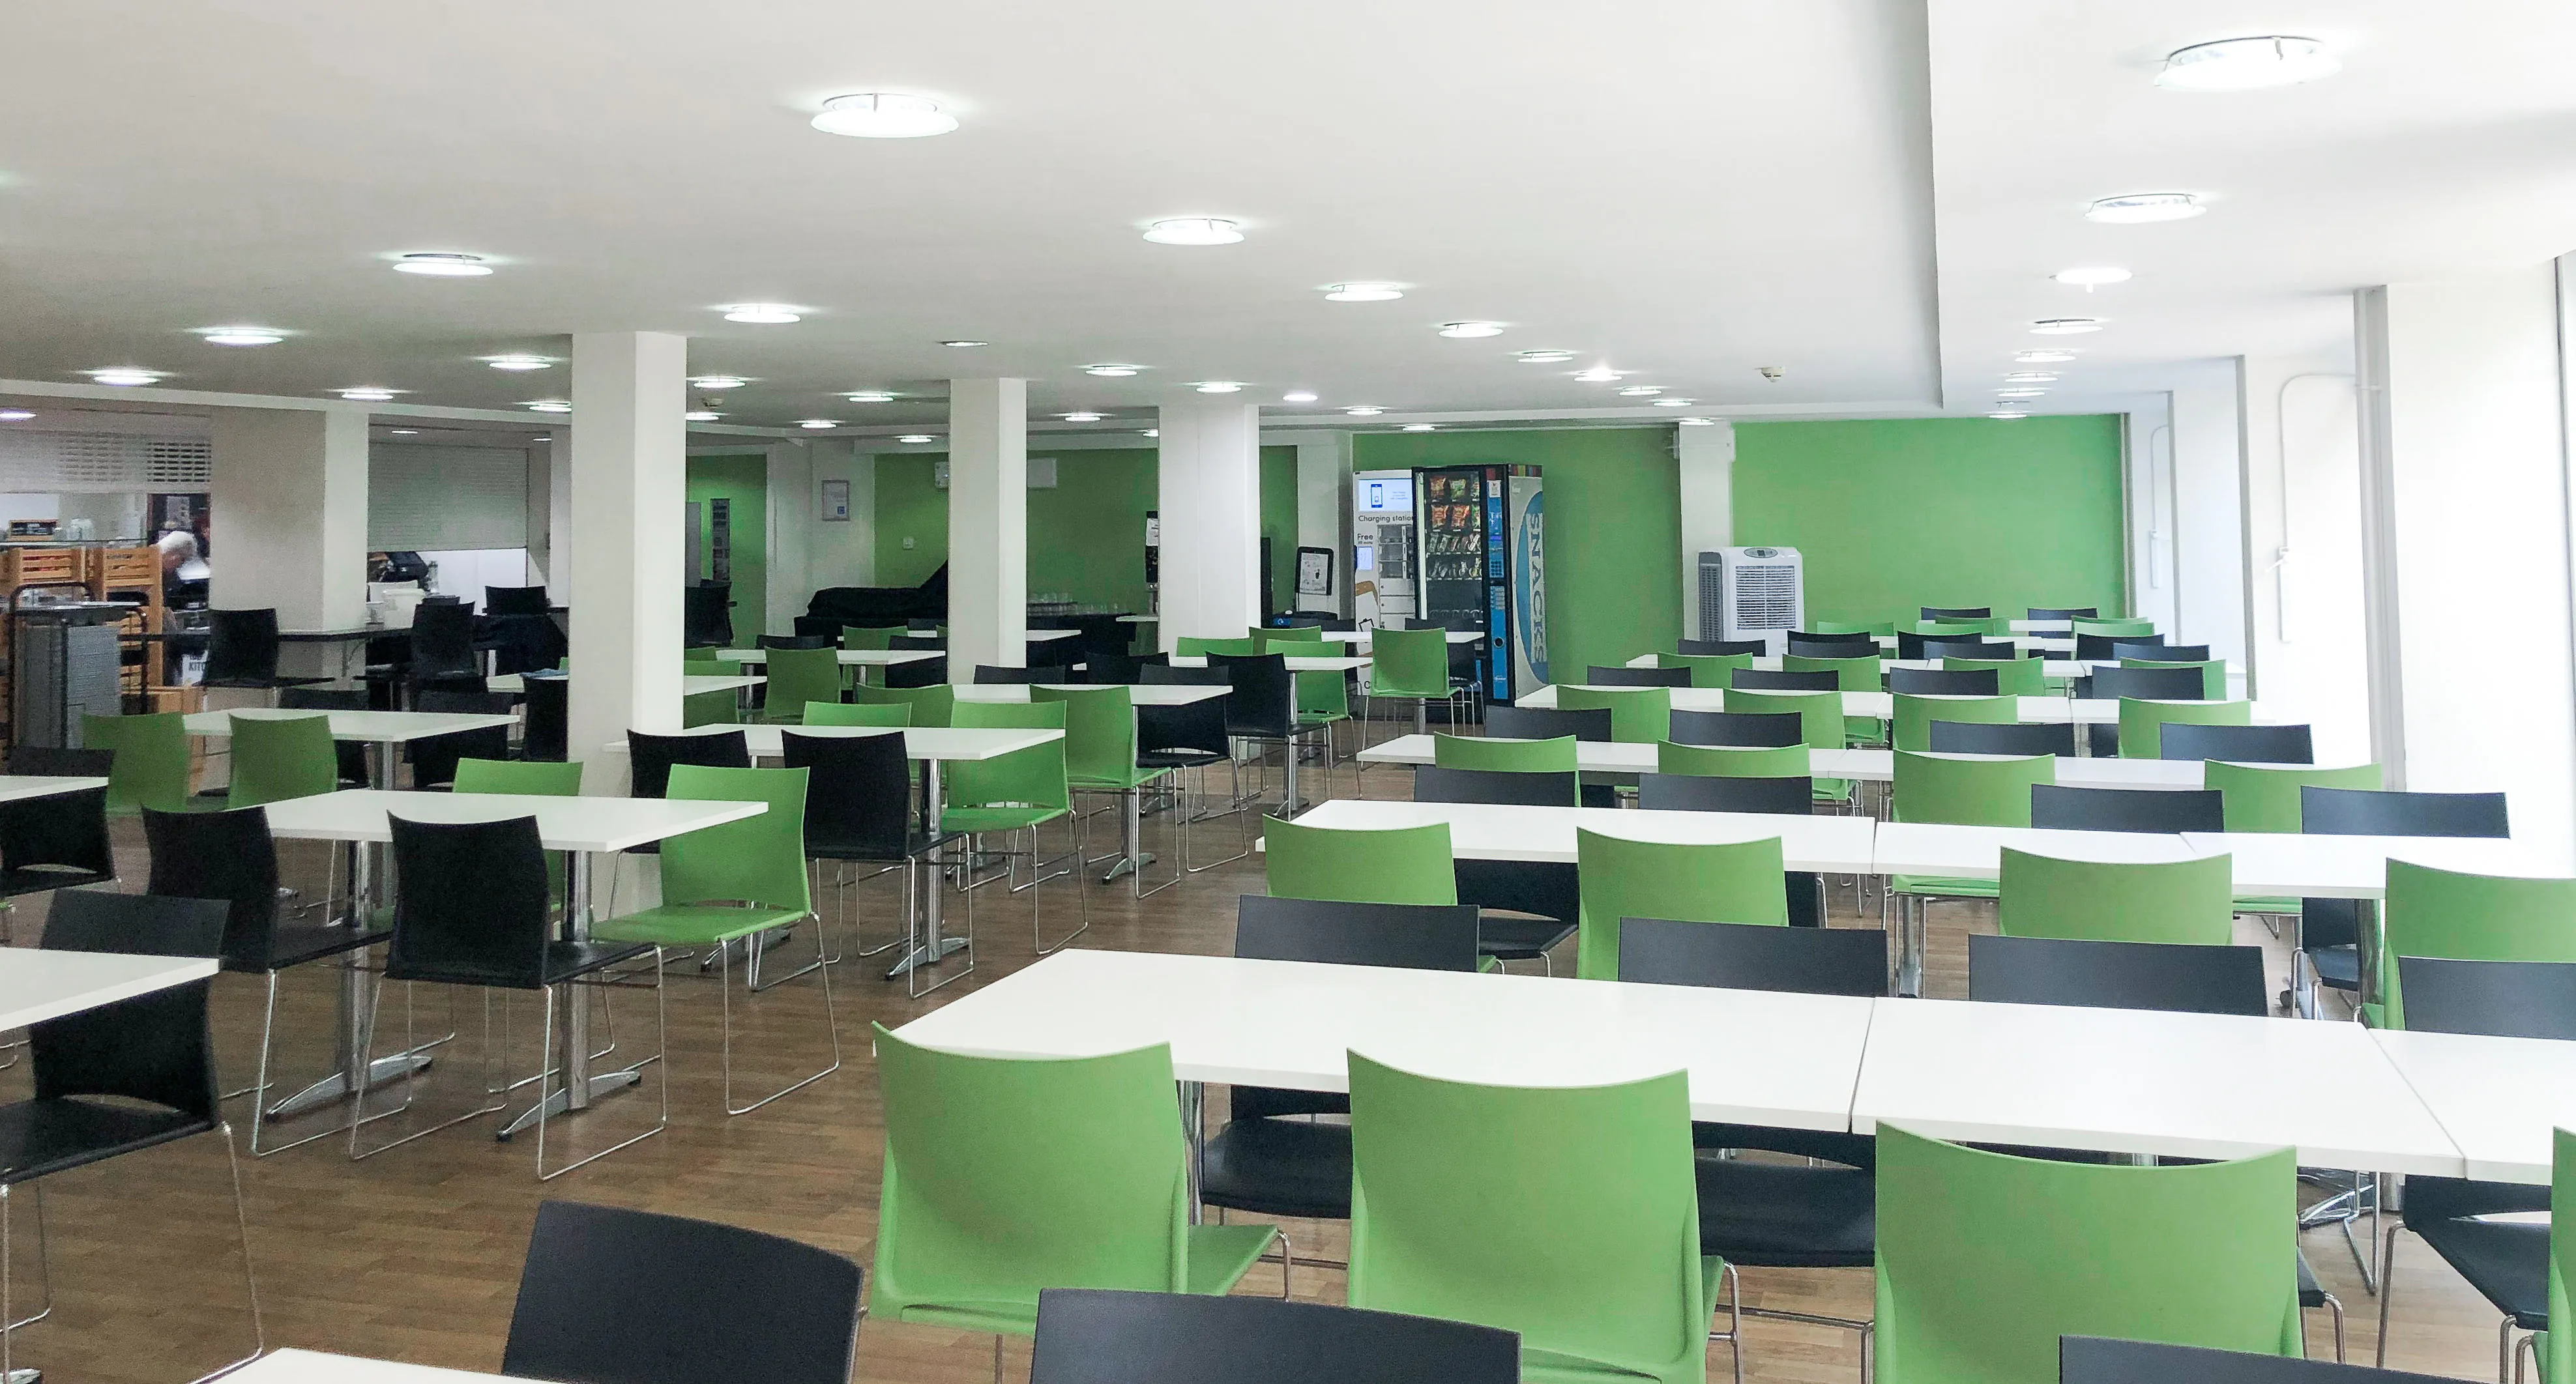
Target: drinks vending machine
(1383,573)
(1484,568)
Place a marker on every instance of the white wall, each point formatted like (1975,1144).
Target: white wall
(2151,511)
(2307,640)
(844,554)
(1706,457)
(790,528)
(2209,527)
(289,532)
(1324,512)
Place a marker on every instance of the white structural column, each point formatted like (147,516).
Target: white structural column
(988,525)
(1210,503)
(2304,619)
(2151,504)
(1324,513)
(2209,526)
(1705,457)
(790,518)
(289,528)
(2465,543)
(629,495)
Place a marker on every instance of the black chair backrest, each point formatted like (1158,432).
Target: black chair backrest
(55,761)
(858,800)
(1859,644)
(97,920)
(2022,738)
(2238,744)
(1990,650)
(652,756)
(472,909)
(1722,647)
(988,675)
(706,612)
(515,600)
(1809,648)
(324,699)
(1167,675)
(2365,812)
(1757,730)
(2062,613)
(1100,1336)
(916,641)
(2156,650)
(154,1047)
(442,642)
(2149,684)
(1754,956)
(1945,682)
(225,856)
(612,1296)
(68,830)
(1104,669)
(2101,1360)
(1547,723)
(546,730)
(2100,646)
(1709,793)
(241,646)
(928,672)
(2505,999)
(1599,676)
(1756,680)
(2175,976)
(1434,785)
(1417,936)
(2066,808)
(1265,696)
(796,641)
(1958,612)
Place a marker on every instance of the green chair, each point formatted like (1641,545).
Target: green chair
(1569,1214)
(2213,674)
(152,762)
(2265,797)
(934,705)
(2554,1352)
(1007,1176)
(1304,640)
(2142,722)
(1639,715)
(536,778)
(1821,726)
(1863,674)
(1955,629)
(1322,695)
(736,883)
(1400,865)
(1915,715)
(1851,627)
(860,713)
(708,708)
(798,676)
(1555,756)
(1986,1259)
(1706,670)
(2455,916)
(876,637)
(1968,790)
(2014,677)
(1733,761)
(1194,646)
(1412,666)
(1737,882)
(1100,751)
(1020,792)
(2114,629)
(280,757)
(2089,901)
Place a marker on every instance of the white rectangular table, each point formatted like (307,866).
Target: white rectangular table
(388,731)
(2356,867)
(19,787)
(1627,759)
(291,1366)
(38,985)
(1879,706)
(690,685)
(1297,663)
(2499,1099)
(849,658)
(1488,831)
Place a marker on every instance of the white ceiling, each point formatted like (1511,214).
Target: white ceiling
(1691,189)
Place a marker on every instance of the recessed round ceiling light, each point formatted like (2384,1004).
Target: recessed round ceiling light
(1111,370)
(1217,386)
(1470,330)
(1674,403)
(2090,276)
(1599,374)
(1364,411)
(518,362)
(767,314)
(1640,391)
(700,415)
(2247,64)
(915,439)
(2066,326)
(1418,427)
(2139,207)
(1542,357)
(1695,422)
(1298,396)
(964,344)
(1194,230)
(817,423)
(1082,416)
(2007,413)
(1151,432)
(883,115)
(402,432)
(2043,357)
(442,265)
(124,376)
(2030,377)
(551,405)
(14,415)
(717,382)
(2019,393)
(242,336)
(369,395)
(1362,293)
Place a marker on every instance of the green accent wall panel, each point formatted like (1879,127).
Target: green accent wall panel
(1895,514)
(1614,538)
(743,479)
(1279,524)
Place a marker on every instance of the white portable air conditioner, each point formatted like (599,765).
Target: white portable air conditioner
(1751,593)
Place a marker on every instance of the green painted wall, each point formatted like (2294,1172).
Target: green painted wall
(1613,529)
(743,479)
(1279,524)
(1896,514)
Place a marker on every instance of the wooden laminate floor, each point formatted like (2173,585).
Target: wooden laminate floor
(414,1254)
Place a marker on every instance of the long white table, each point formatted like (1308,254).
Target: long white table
(2499,1099)
(2049,668)
(690,685)
(1879,706)
(849,658)
(2356,867)
(38,985)
(19,787)
(290,1366)
(1486,831)
(1360,639)
(1297,663)
(388,731)
(1625,758)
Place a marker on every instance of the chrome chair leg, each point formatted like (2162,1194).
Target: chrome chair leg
(831,1026)
(2387,1290)
(660,1061)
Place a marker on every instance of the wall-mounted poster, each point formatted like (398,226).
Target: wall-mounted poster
(836,502)
(1314,571)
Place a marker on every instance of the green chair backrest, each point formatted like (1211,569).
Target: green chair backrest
(1099,733)
(152,761)
(2265,797)
(1034,777)
(536,778)
(2465,917)
(870,636)
(1955,629)
(1915,715)
(1555,756)
(1985,1259)
(1639,715)
(798,676)
(1597,1262)
(2014,677)
(703,663)
(859,713)
(1191,645)
(1735,882)
(281,757)
(2086,901)
(2114,629)
(1733,761)
(1820,714)
(1706,670)
(1401,865)
(2142,722)
(1409,663)
(2558,1348)
(1321,692)
(1851,627)
(1007,1175)
(2213,674)
(757,860)
(1860,674)
(1304,641)
(1967,790)
(934,705)
(709,709)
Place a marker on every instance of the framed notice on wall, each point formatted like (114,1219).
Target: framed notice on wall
(836,502)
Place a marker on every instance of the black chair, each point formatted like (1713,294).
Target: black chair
(350,756)
(612,1296)
(706,614)
(1757,1213)
(1721,647)
(2101,1360)
(475,910)
(1741,729)
(2329,928)
(1263,709)
(1958,612)
(1105,668)
(1985,650)
(1548,723)
(988,675)
(2171,976)
(1859,646)
(1435,785)
(2061,613)
(928,672)
(1168,675)
(2068,808)
(649,759)
(230,857)
(917,640)
(547,724)
(796,641)
(2146,684)
(524,643)
(1756,680)
(433,760)
(123,1077)
(1191,736)
(2156,650)
(1945,682)
(2504,999)
(1862,643)
(442,645)
(2238,744)
(1529,906)
(2106,646)
(2024,738)
(1790,796)
(515,600)
(55,762)
(858,810)
(58,841)
(241,651)
(924,624)
(1599,676)
(1100,1336)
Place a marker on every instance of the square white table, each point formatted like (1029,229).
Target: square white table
(1489,831)
(2499,1099)
(37,985)
(19,787)
(290,1366)
(388,731)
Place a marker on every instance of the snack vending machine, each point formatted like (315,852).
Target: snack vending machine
(1382,562)
(1484,568)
